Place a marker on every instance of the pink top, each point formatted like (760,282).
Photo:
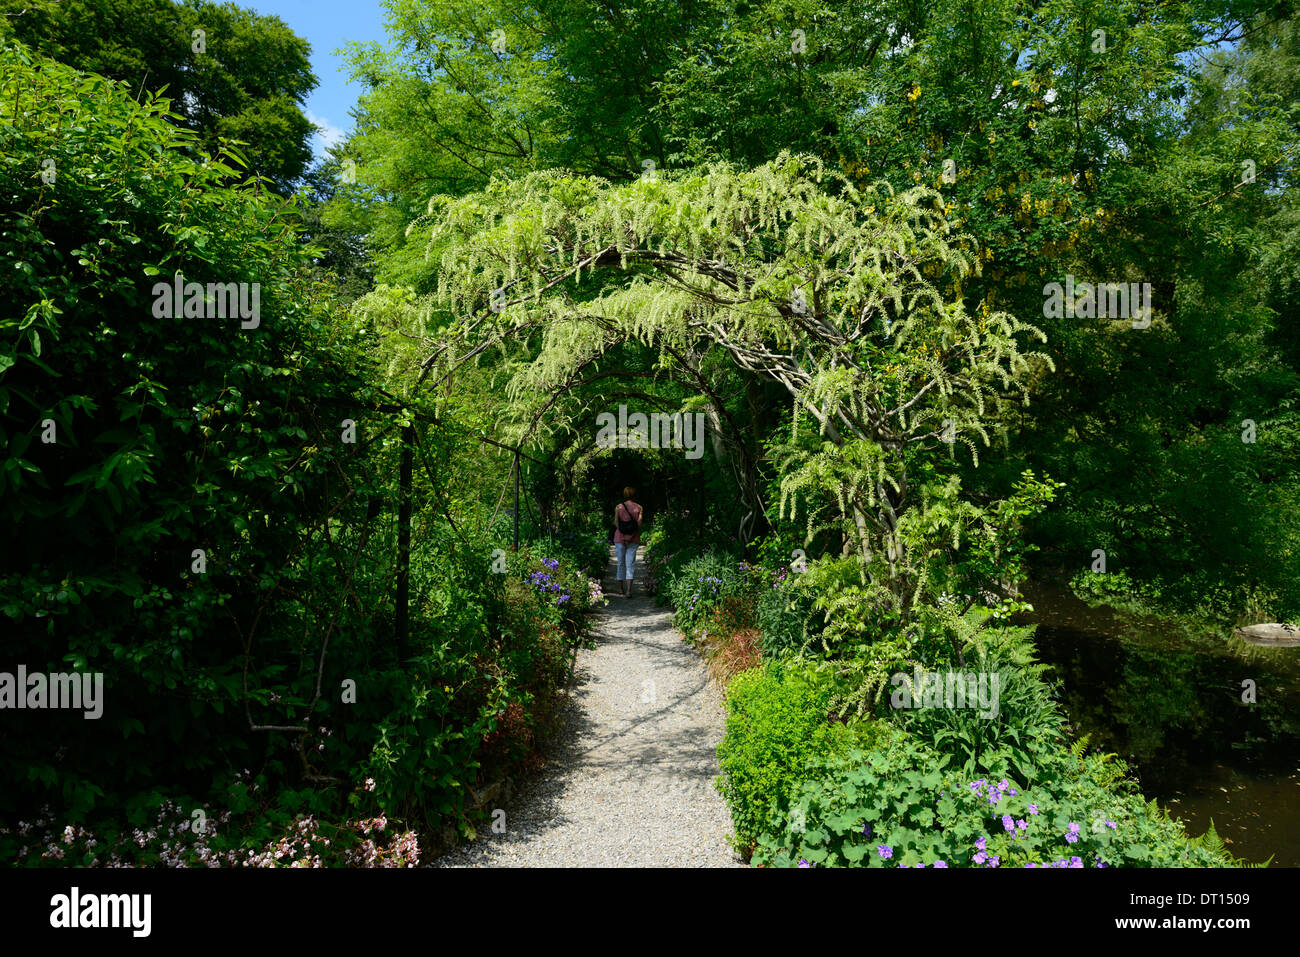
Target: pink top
(628,510)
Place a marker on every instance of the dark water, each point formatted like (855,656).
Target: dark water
(1168,698)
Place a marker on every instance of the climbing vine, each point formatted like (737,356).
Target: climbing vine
(849,298)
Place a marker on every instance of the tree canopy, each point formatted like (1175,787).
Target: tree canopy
(231,73)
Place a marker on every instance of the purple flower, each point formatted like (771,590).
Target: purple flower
(1021,824)
(803,863)
(940,864)
(981,857)
(886,852)
(995,861)
(866,830)
(1033,809)
(1007,823)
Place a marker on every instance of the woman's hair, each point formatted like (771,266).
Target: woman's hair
(628,491)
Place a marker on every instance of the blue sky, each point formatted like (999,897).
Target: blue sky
(327,25)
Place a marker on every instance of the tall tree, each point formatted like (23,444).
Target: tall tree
(230,72)
(1070,138)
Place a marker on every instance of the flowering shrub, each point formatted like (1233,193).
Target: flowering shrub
(566,593)
(903,804)
(586,551)
(705,585)
(710,588)
(364,843)
(178,839)
(938,787)
(464,708)
(784,613)
(657,570)
(450,723)
(545,583)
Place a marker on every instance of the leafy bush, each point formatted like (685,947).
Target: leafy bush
(586,550)
(175,434)
(671,542)
(786,616)
(172,839)
(923,786)
(162,436)
(902,804)
(777,722)
(1026,726)
(475,703)
(664,560)
(565,593)
(1117,587)
(702,586)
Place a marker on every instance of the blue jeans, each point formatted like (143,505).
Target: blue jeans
(624,559)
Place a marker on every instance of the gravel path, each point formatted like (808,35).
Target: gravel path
(629,782)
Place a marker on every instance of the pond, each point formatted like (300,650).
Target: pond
(1172,699)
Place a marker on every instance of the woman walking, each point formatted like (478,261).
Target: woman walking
(627,536)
